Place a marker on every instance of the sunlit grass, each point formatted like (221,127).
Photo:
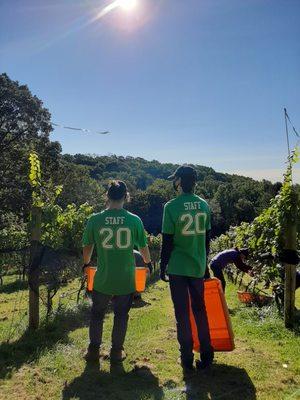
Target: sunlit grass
(49,363)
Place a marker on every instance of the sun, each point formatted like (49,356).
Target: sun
(128,5)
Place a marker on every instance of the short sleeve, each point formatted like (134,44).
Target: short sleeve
(88,236)
(168,225)
(208,219)
(141,238)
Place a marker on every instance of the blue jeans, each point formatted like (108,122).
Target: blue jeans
(121,306)
(183,287)
(218,273)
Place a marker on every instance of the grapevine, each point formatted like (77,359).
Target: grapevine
(266,233)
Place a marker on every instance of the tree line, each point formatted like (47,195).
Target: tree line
(25,126)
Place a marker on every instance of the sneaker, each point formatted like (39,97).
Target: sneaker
(92,355)
(206,360)
(117,355)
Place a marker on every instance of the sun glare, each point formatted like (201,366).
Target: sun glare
(128,5)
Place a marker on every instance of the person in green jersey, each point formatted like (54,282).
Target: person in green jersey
(186,230)
(114,232)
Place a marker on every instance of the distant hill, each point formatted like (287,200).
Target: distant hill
(232,198)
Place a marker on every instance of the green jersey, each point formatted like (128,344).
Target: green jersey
(114,234)
(187,217)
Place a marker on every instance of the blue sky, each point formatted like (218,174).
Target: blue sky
(201,81)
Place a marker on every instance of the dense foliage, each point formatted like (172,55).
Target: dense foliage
(13,236)
(63,228)
(24,125)
(268,231)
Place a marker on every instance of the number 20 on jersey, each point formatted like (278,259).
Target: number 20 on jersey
(193,224)
(119,238)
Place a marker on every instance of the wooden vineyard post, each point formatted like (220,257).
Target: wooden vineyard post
(290,270)
(33,274)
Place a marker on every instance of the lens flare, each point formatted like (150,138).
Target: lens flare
(128,5)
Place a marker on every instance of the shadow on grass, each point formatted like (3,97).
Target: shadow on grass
(116,385)
(32,344)
(154,277)
(296,325)
(140,303)
(220,382)
(14,286)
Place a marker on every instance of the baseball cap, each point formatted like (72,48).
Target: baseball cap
(184,171)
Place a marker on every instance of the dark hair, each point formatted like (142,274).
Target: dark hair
(187,185)
(117,190)
(244,252)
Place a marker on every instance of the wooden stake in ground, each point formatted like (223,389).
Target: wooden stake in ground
(33,273)
(290,270)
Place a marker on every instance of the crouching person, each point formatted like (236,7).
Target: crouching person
(114,232)
(231,256)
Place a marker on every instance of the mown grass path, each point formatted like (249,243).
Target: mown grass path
(48,364)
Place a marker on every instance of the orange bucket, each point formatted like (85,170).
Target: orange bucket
(220,329)
(246,297)
(249,298)
(90,273)
(140,278)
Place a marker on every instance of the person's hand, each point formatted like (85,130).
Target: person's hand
(207,273)
(150,267)
(84,267)
(163,276)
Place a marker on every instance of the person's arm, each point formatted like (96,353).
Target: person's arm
(241,265)
(87,244)
(87,252)
(168,230)
(145,254)
(207,247)
(141,243)
(166,250)
(288,256)
(285,256)
(146,257)
(207,241)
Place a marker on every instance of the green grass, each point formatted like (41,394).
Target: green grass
(48,363)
